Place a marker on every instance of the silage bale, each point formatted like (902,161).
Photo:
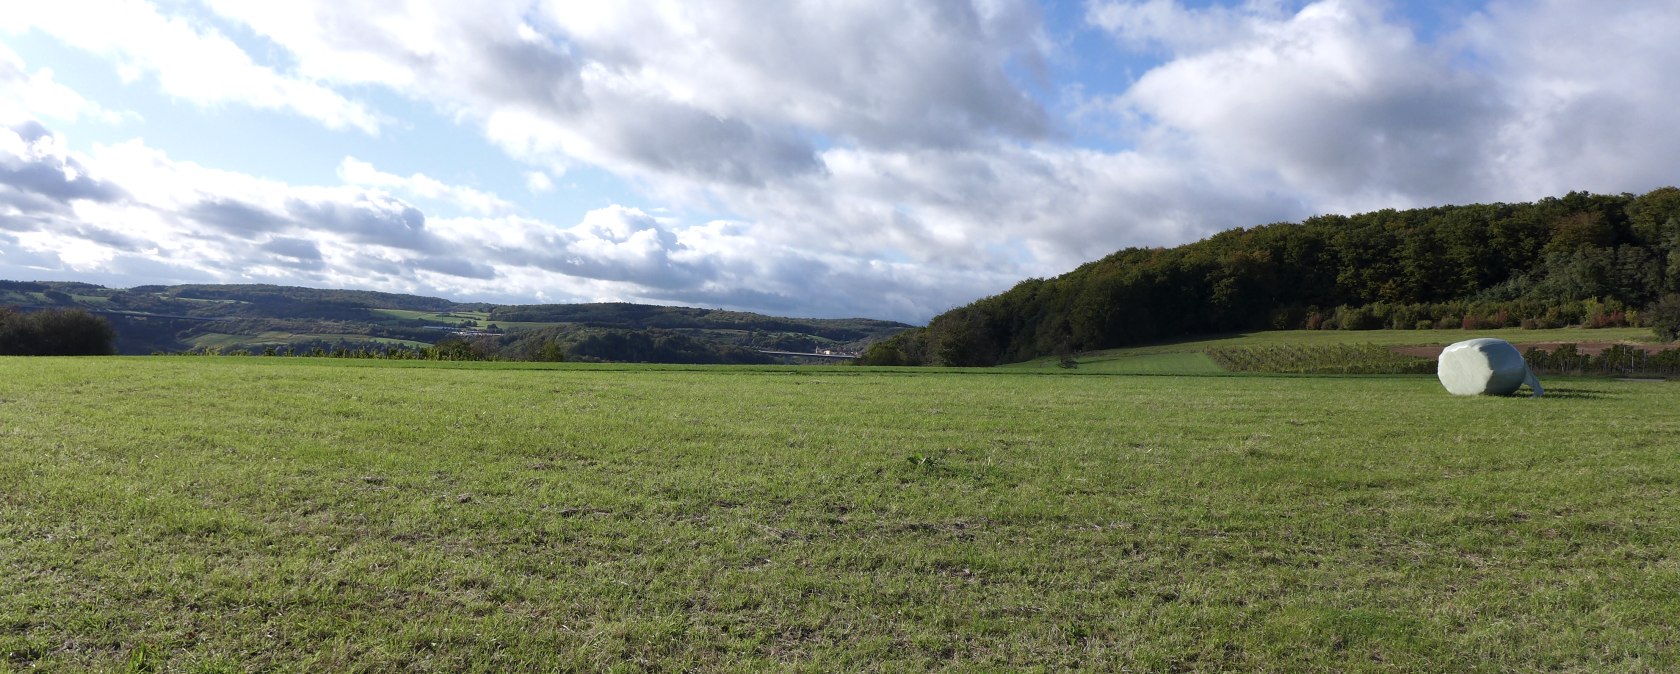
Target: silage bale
(1485,366)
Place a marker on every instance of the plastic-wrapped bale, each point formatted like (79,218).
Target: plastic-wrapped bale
(1485,366)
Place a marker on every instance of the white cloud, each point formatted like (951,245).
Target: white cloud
(1333,104)
(1591,89)
(882,157)
(922,146)
(26,95)
(42,183)
(1340,106)
(634,88)
(132,207)
(538,182)
(190,60)
(357,172)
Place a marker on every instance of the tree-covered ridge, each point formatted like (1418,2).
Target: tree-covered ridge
(260,295)
(1582,259)
(263,318)
(223,301)
(641,316)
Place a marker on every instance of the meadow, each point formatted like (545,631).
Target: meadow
(224,514)
(1190,356)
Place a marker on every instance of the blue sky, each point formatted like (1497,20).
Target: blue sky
(884,158)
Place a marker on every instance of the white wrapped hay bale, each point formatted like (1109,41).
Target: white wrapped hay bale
(1484,366)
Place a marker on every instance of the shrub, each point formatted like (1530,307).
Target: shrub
(1066,357)
(55,332)
(1664,317)
(1357,318)
(551,351)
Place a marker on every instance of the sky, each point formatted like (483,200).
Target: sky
(826,158)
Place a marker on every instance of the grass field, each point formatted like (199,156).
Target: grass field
(218,340)
(459,317)
(1187,357)
(453,318)
(253,514)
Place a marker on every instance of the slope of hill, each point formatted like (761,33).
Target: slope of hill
(255,317)
(1584,259)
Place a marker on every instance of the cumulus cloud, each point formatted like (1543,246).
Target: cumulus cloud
(629,86)
(25,95)
(235,217)
(363,218)
(1335,103)
(538,182)
(886,157)
(297,249)
(1591,92)
(1342,106)
(40,181)
(357,172)
(190,60)
(163,220)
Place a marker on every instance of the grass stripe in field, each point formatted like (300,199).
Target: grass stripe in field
(227,514)
(1189,357)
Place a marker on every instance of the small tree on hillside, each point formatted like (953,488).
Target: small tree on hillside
(1066,357)
(1664,317)
(550,352)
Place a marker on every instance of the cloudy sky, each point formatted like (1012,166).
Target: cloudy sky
(882,158)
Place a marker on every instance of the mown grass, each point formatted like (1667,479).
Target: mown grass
(1187,356)
(250,514)
(1182,362)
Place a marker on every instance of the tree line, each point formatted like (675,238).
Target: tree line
(55,332)
(545,345)
(1582,259)
(637,316)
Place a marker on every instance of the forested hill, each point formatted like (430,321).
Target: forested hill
(1582,259)
(623,315)
(262,318)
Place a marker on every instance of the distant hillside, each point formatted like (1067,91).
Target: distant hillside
(269,295)
(1584,259)
(253,318)
(637,316)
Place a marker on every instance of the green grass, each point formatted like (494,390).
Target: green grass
(252,514)
(458,317)
(452,318)
(1128,362)
(219,340)
(1176,357)
(1321,359)
(1402,337)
